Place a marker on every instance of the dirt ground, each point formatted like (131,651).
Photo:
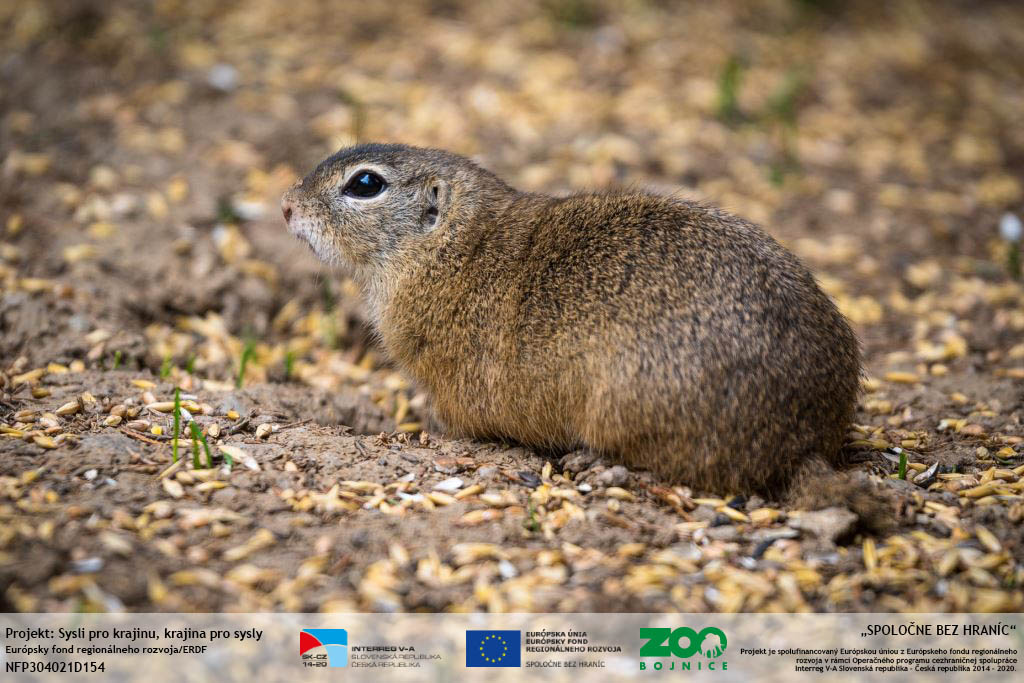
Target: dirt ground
(143,150)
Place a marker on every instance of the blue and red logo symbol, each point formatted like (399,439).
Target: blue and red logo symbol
(323,647)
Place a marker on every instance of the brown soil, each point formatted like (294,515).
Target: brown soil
(144,146)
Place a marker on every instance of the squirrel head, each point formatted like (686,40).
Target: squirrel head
(366,207)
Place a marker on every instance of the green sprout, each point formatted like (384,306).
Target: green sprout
(358,113)
(289,364)
(117,360)
(177,424)
(190,364)
(1010,229)
(903,464)
(728,89)
(572,13)
(531,523)
(199,438)
(226,212)
(250,348)
(782,110)
(782,105)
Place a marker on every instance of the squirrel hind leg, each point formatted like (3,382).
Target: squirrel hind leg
(818,485)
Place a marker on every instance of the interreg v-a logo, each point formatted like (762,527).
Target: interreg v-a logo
(683,643)
(494,648)
(323,647)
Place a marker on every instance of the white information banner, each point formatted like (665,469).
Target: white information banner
(498,647)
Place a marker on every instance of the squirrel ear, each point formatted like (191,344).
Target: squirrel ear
(436,193)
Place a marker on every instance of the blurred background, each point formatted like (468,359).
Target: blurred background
(156,137)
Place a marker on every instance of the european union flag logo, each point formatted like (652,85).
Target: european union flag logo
(494,648)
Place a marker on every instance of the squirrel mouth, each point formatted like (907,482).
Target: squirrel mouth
(311,236)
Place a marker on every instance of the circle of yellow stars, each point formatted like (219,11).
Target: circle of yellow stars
(500,657)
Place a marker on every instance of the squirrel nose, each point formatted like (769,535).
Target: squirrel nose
(286,209)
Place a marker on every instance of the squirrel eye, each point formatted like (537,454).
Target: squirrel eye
(364,185)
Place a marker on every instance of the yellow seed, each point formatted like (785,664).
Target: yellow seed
(619,493)
(498,500)
(401,407)
(143,384)
(733,514)
(870,555)
(362,486)
(100,230)
(28,377)
(469,491)
(988,539)
(44,442)
(476,517)
(171,469)
(870,384)
(156,430)
(112,420)
(980,491)
(764,515)
(631,549)
(948,563)
(79,252)
(902,377)
(712,502)
(69,408)
(173,488)
(441,498)
(14,224)
(35,284)
(232,414)
(879,407)
(177,190)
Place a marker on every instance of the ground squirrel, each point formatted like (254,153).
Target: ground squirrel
(661,332)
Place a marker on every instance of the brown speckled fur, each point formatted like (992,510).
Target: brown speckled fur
(663,333)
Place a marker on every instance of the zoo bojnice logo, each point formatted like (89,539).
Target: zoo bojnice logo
(323,647)
(675,648)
